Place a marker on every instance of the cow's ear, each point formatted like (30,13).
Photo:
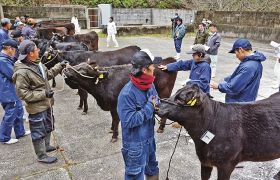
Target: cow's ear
(196,98)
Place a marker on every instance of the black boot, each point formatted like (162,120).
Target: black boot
(40,150)
(49,148)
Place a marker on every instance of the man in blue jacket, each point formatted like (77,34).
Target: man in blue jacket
(135,108)
(29,31)
(199,66)
(243,84)
(8,98)
(4,31)
(178,35)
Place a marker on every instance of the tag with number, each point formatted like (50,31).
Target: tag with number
(207,137)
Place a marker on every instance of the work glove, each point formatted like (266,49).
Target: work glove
(49,94)
(64,63)
(154,100)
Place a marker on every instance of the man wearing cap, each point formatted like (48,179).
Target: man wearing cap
(31,80)
(178,35)
(8,98)
(199,66)
(243,84)
(29,31)
(135,108)
(4,31)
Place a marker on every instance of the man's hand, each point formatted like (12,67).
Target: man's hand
(64,63)
(49,94)
(214,85)
(154,100)
(162,67)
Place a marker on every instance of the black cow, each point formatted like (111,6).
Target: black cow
(243,131)
(90,39)
(106,89)
(108,58)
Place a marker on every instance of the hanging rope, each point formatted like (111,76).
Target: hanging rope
(169,164)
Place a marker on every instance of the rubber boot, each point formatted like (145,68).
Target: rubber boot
(40,150)
(49,148)
(155,177)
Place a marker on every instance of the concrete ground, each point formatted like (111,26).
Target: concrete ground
(87,152)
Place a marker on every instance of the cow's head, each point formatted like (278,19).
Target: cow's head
(51,57)
(185,104)
(83,75)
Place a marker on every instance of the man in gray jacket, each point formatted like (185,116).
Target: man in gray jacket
(214,41)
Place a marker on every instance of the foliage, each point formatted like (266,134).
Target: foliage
(216,5)
(94,3)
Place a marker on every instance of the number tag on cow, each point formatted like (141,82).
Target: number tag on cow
(207,137)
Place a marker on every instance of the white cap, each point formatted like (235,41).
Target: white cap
(149,53)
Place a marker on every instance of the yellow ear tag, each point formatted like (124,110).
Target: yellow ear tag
(49,57)
(192,102)
(101,76)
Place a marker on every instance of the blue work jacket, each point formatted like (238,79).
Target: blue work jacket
(136,113)
(4,35)
(200,72)
(243,84)
(7,88)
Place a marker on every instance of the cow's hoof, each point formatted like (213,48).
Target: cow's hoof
(79,108)
(113,140)
(176,125)
(84,113)
(54,85)
(160,130)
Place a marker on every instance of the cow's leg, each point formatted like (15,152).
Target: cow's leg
(277,176)
(53,83)
(115,125)
(205,172)
(225,170)
(162,125)
(81,100)
(85,96)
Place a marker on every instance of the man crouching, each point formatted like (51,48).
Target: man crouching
(31,80)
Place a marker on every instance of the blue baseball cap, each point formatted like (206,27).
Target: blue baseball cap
(11,43)
(241,43)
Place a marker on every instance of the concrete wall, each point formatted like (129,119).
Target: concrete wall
(264,26)
(63,13)
(146,29)
(149,16)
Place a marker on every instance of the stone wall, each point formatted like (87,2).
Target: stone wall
(264,26)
